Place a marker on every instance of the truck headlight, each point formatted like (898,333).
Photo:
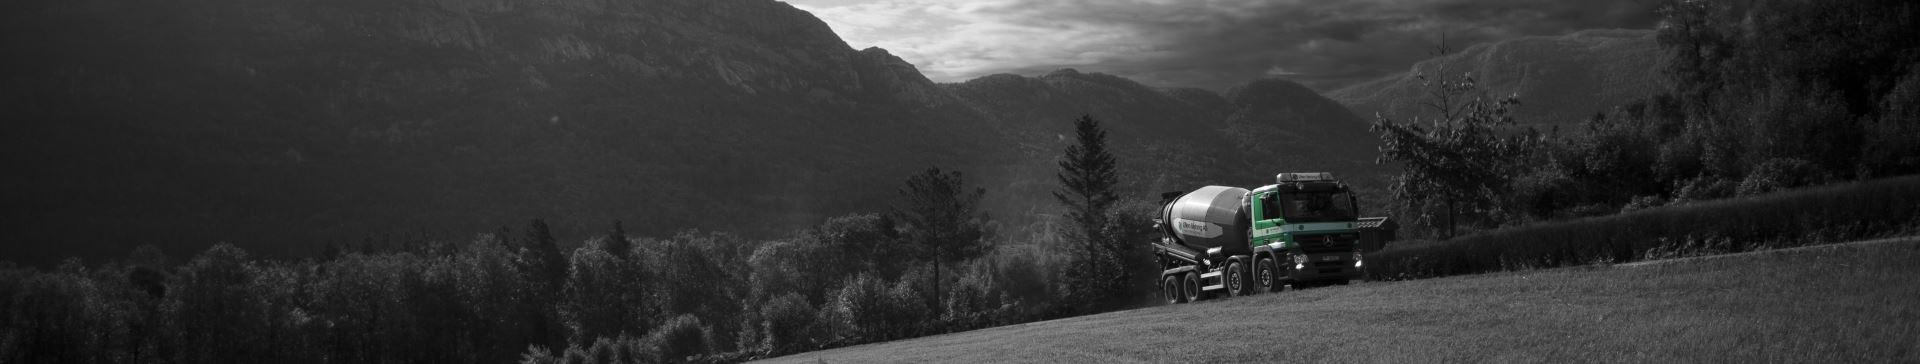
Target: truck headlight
(1356,259)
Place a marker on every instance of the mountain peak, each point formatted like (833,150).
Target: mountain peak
(897,78)
(1270,88)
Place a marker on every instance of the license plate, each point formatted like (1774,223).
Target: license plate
(1329,258)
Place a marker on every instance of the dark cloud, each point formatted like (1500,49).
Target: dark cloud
(1324,44)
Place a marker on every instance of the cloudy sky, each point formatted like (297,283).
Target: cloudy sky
(1201,43)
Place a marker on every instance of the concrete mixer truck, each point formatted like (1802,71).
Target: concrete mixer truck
(1220,240)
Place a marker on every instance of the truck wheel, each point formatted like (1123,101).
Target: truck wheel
(1268,276)
(1170,288)
(1238,284)
(1190,286)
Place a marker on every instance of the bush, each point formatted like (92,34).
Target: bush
(606,350)
(1794,218)
(1703,188)
(875,310)
(975,301)
(1779,174)
(833,325)
(778,268)
(538,355)
(910,306)
(678,340)
(1024,273)
(786,322)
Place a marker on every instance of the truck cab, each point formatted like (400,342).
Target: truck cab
(1304,230)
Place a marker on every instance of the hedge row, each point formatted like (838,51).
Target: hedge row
(1827,214)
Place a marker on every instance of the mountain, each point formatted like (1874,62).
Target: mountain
(1169,139)
(282,125)
(1172,139)
(1559,79)
(1281,119)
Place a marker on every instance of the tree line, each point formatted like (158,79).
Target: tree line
(1763,96)
(930,264)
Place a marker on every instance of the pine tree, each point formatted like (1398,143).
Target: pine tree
(617,242)
(1088,176)
(941,218)
(552,264)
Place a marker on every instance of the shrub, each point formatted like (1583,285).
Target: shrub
(910,306)
(872,309)
(677,340)
(1779,174)
(1787,219)
(1024,274)
(538,355)
(786,322)
(974,301)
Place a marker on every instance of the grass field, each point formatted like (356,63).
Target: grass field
(1849,304)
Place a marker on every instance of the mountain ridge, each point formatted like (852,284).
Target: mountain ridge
(1559,79)
(282,125)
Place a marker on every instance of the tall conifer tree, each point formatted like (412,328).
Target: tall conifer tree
(1087,178)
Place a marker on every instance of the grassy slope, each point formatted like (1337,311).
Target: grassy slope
(1843,304)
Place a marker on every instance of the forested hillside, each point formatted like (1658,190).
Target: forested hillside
(1560,79)
(474,181)
(1762,97)
(284,126)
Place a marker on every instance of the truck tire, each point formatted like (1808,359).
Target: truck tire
(1238,283)
(1190,286)
(1170,288)
(1267,276)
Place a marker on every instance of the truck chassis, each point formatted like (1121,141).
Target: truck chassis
(1190,275)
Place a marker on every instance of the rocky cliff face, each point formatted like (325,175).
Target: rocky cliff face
(282,124)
